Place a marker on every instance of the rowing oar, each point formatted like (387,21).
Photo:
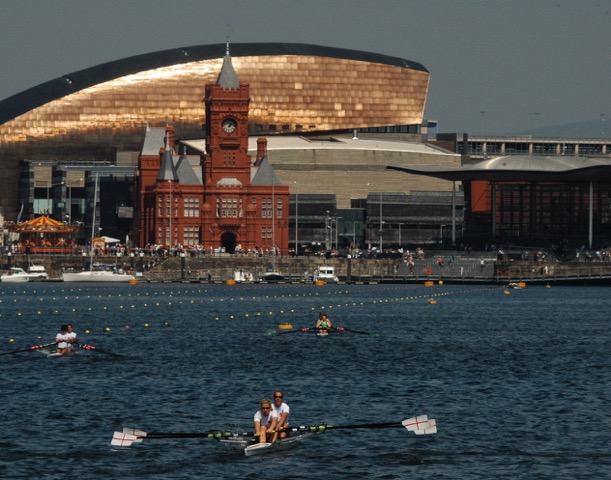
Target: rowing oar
(420,425)
(30,349)
(130,435)
(93,348)
(300,330)
(344,329)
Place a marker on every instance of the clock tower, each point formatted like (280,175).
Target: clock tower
(226,128)
(235,203)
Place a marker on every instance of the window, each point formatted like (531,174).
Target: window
(230,207)
(192,207)
(279,208)
(163,235)
(266,232)
(266,208)
(191,235)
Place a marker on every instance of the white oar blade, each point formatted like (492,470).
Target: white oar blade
(120,439)
(428,428)
(414,423)
(133,431)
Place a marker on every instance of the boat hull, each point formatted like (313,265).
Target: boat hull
(97,277)
(14,279)
(18,275)
(263,448)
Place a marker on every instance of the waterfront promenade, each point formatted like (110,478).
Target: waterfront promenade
(454,267)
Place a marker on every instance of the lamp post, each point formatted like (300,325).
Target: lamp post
(273,219)
(296,221)
(400,234)
(327,227)
(381,223)
(441,234)
(170,213)
(337,232)
(354,234)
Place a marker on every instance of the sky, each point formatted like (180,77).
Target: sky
(497,66)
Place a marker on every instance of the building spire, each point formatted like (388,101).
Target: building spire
(167,171)
(227,77)
(227,41)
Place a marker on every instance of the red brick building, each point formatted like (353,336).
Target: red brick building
(223,199)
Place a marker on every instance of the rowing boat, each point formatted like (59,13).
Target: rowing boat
(237,442)
(54,354)
(262,448)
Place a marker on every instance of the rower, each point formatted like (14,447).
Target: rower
(323,324)
(282,411)
(265,422)
(65,338)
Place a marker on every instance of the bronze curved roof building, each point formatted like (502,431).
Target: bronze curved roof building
(295,88)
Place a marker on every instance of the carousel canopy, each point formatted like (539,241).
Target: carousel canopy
(43,224)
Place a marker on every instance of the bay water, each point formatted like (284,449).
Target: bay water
(519,381)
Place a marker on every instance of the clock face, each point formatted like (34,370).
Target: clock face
(229,125)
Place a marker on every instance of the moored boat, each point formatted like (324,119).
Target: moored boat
(19,275)
(272,277)
(98,276)
(325,273)
(37,272)
(242,276)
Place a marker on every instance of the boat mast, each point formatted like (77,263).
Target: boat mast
(95,200)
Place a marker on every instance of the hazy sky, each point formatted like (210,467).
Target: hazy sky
(497,66)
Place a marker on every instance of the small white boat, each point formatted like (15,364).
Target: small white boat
(242,276)
(262,448)
(19,275)
(272,277)
(98,276)
(37,272)
(325,273)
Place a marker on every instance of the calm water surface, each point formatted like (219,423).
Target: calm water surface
(519,384)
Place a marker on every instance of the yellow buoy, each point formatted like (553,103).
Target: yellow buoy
(320,283)
(230,282)
(432,302)
(285,326)
(429,283)
(440,282)
(506,292)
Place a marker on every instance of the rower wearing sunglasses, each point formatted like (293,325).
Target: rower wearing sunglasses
(265,422)
(282,411)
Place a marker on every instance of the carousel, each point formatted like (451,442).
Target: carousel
(44,235)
